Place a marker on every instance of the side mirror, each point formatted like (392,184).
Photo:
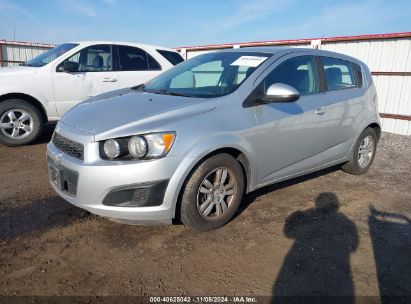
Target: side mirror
(69,66)
(280,92)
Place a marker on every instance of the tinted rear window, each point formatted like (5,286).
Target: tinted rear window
(135,59)
(173,57)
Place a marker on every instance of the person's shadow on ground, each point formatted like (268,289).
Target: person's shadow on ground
(318,262)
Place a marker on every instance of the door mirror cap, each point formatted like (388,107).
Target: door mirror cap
(280,92)
(69,67)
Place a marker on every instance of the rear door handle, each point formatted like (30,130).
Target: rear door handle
(109,79)
(320,110)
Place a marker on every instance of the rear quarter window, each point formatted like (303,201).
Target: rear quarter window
(173,57)
(357,75)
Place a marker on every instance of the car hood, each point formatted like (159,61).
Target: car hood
(125,112)
(17,70)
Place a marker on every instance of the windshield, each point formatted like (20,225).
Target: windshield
(208,75)
(50,55)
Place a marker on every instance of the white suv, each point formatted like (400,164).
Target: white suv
(45,87)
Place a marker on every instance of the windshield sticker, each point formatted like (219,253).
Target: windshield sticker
(249,61)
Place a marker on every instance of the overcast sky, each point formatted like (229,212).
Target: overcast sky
(183,23)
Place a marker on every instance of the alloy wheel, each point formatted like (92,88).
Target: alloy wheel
(16,123)
(216,193)
(366,151)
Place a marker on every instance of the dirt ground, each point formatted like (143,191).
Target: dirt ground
(327,233)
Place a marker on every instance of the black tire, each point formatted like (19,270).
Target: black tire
(353,165)
(36,126)
(189,212)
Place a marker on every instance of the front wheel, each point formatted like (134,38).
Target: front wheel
(20,122)
(212,193)
(363,153)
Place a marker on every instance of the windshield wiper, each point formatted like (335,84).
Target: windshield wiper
(140,87)
(29,65)
(168,92)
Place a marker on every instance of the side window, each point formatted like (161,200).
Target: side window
(94,58)
(358,75)
(135,59)
(338,73)
(173,57)
(298,72)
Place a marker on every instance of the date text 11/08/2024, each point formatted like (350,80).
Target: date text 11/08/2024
(203,299)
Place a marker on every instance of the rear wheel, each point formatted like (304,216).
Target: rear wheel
(212,193)
(20,122)
(363,153)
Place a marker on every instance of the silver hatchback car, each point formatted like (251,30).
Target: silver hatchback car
(190,143)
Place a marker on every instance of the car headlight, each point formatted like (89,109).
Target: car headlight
(137,146)
(146,146)
(111,148)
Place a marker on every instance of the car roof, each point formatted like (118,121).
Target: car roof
(262,49)
(140,45)
(290,50)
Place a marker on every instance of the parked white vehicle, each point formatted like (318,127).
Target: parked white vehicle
(44,88)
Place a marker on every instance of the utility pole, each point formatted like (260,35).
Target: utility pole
(14,32)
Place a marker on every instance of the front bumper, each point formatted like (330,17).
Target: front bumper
(99,177)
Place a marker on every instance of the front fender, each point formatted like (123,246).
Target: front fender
(199,151)
(48,107)
(214,142)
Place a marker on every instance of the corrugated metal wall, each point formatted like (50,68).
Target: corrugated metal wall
(388,58)
(394,91)
(13,53)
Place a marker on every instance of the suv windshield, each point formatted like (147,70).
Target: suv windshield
(50,55)
(208,75)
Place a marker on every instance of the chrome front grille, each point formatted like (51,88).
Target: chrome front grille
(67,146)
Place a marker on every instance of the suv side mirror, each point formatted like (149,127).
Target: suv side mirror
(280,92)
(68,66)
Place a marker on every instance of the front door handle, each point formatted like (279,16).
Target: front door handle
(109,79)
(320,110)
